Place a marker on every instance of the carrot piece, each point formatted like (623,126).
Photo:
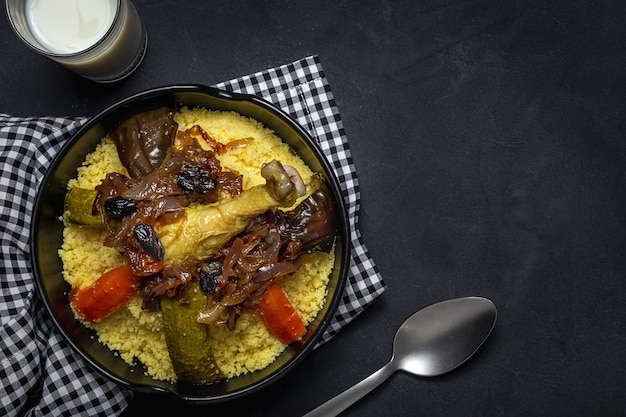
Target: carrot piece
(108,293)
(279,316)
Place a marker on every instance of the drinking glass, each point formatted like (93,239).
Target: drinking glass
(101,40)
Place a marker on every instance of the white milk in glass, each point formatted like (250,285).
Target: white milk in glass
(102,40)
(69,26)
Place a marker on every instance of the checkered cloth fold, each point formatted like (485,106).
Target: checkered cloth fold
(40,375)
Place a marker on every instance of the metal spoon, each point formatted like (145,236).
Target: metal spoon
(431,342)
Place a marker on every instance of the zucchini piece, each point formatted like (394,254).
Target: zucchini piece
(187,340)
(78,206)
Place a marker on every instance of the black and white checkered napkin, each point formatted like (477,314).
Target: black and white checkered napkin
(39,374)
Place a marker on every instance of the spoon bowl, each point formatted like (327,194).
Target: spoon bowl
(432,342)
(441,337)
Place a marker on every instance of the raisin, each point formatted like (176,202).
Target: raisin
(149,241)
(192,179)
(209,274)
(119,207)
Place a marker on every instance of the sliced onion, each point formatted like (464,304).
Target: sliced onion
(213,313)
(274,271)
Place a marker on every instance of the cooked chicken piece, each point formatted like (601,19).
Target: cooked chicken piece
(204,230)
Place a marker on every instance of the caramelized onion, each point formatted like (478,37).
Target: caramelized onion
(214,313)
(218,147)
(267,272)
(170,282)
(269,248)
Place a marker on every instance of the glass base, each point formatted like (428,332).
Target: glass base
(131,67)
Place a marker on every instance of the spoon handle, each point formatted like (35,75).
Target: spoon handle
(336,405)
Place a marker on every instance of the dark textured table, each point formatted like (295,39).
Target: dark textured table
(489,139)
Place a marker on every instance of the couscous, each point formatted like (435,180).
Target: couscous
(137,334)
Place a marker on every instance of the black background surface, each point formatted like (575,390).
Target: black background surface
(489,142)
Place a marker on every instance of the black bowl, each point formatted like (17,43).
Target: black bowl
(46,239)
